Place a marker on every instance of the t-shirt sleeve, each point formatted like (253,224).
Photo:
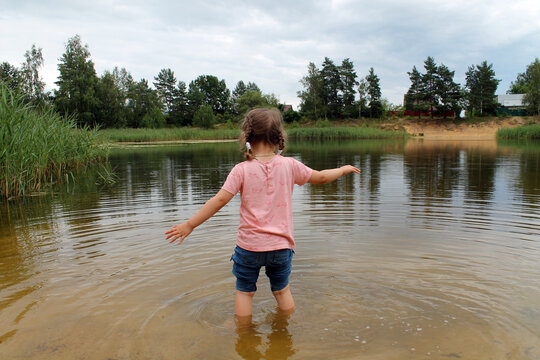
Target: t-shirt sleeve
(301,172)
(234,181)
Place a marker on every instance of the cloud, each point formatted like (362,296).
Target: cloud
(271,43)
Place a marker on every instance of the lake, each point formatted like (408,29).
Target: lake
(432,252)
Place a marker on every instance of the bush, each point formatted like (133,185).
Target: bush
(291,116)
(323,123)
(204,117)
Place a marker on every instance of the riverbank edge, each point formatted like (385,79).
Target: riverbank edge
(432,129)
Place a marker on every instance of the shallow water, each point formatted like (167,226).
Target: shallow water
(433,252)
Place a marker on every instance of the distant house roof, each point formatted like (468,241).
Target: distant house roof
(510,100)
(287,107)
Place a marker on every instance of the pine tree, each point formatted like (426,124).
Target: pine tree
(165,84)
(374,94)
(311,97)
(348,82)
(430,81)
(481,84)
(331,83)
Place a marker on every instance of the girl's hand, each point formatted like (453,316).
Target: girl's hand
(347,169)
(179,231)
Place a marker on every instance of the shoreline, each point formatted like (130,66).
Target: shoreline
(429,129)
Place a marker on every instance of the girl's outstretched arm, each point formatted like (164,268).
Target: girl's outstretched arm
(329,175)
(211,207)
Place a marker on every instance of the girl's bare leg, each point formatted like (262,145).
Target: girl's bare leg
(243,303)
(284,299)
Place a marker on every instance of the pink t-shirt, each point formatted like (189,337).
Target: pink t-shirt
(266,192)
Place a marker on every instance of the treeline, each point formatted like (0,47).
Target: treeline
(116,100)
(331,91)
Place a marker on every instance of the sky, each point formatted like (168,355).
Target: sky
(271,43)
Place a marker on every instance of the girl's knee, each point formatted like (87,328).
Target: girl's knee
(244,293)
(282,291)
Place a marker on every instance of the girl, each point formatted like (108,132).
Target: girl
(265,234)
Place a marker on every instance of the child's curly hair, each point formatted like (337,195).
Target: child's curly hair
(263,124)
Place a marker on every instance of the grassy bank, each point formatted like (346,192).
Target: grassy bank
(334,133)
(308,133)
(38,147)
(522,132)
(144,135)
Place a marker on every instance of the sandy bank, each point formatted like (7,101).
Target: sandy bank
(450,130)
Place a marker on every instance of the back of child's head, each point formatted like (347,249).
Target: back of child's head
(263,124)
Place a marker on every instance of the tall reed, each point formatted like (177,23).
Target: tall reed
(323,133)
(342,132)
(521,132)
(38,146)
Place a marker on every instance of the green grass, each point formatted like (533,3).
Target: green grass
(186,133)
(522,132)
(148,135)
(329,133)
(38,147)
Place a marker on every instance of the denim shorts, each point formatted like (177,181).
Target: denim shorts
(247,265)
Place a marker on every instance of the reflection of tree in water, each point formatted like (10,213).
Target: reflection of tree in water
(529,179)
(279,344)
(480,175)
(343,197)
(191,172)
(432,174)
(27,238)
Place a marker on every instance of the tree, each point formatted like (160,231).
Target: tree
(110,109)
(195,99)
(532,95)
(519,86)
(374,94)
(311,102)
(214,92)
(430,82)
(204,117)
(528,83)
(435,90)
(253,99)
(448,92)
(76,83)
(179,114)
(481,87)
(32,85)
(348,82)
(165,84)
(331,83)
(143,106)
(239,90)
(362,95)
(251,86)
(414,99)
(10,75)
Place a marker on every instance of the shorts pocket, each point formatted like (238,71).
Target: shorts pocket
(280,257)
(244,257)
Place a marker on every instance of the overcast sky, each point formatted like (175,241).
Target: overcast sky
(272,42)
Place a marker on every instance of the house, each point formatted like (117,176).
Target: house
(511,104)
(287,107)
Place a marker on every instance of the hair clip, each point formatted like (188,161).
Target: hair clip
(248,145)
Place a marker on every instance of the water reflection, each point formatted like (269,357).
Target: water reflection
(250,344)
